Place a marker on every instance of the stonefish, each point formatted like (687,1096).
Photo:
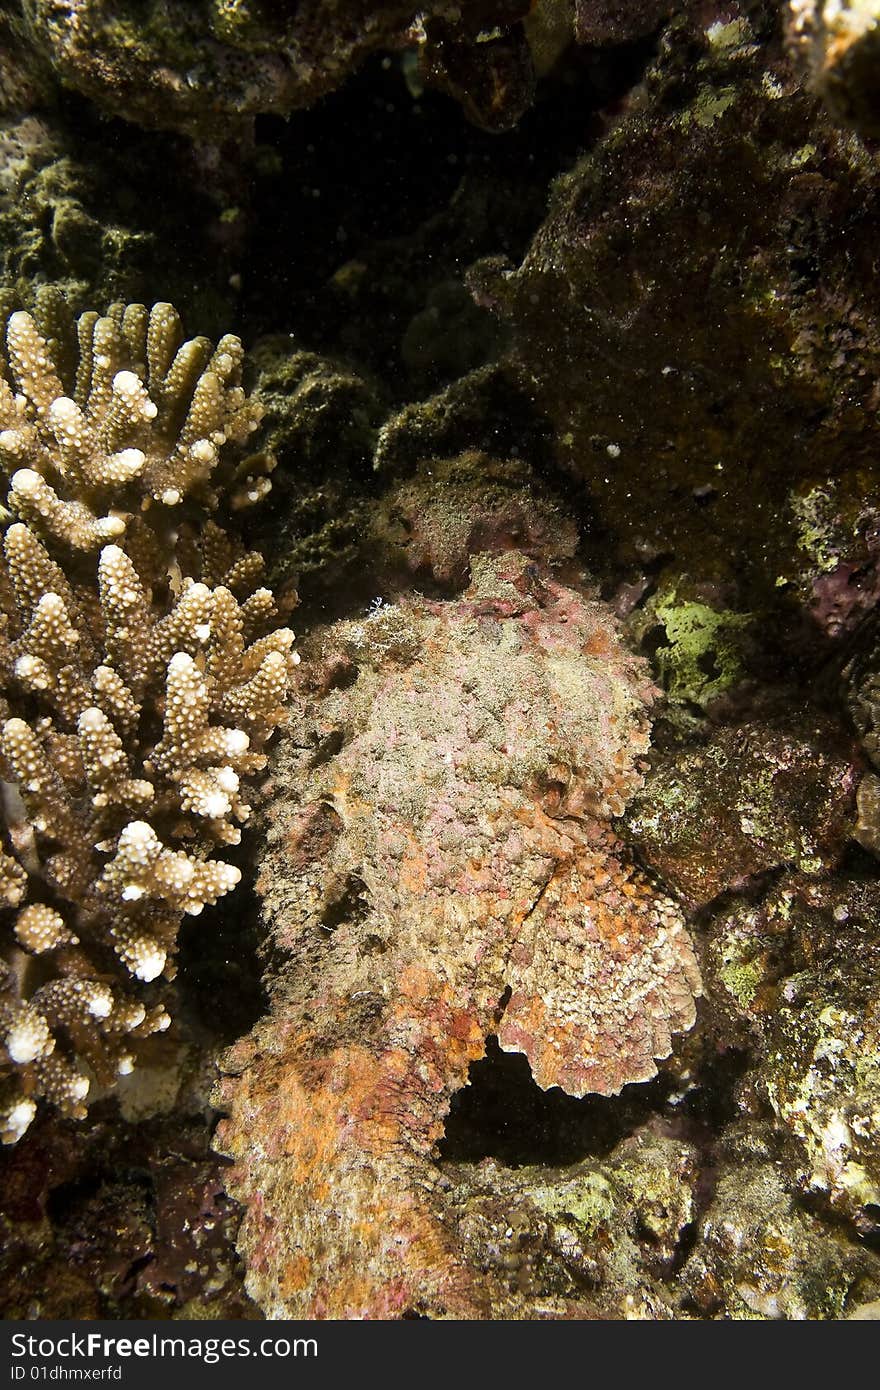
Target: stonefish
(441,867)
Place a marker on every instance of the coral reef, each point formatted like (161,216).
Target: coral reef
(442,868)
(837,42)
(144,671)
(748,799)
(658,316)
(622,442)
(430,525)
(795,972)
(760,1255)
(822,1078)
(594,1239)
(320,418)
(649,1232)
(79,213)
(861,679)
(209,65)
(618,21)
(101,1220)
(838,534)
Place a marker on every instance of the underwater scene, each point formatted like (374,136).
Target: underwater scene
(440,644)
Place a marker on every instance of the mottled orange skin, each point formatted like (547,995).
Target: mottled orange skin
(448,873)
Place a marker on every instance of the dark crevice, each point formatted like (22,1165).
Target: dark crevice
(378,178)
(346,902)
(862,1231)
(327,748)
(219,958)
(502,1113)
(686,1242)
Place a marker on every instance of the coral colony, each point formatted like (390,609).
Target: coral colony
(144,671)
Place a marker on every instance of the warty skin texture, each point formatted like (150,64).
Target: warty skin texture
(442,867)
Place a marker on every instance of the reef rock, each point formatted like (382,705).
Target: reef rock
(594,1239)
(795,973)
(209,66)
(431,524)
(441,868)
(618,21)
(838,47)
(81,214)
(704,358)
(749,799)
(760,1256)
(822,1078)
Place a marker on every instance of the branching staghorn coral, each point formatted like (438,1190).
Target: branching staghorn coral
(144,670)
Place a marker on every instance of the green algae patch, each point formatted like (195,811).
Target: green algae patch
(709,106)
(704,651)
(816,512)
(742,971)
(588,1201)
